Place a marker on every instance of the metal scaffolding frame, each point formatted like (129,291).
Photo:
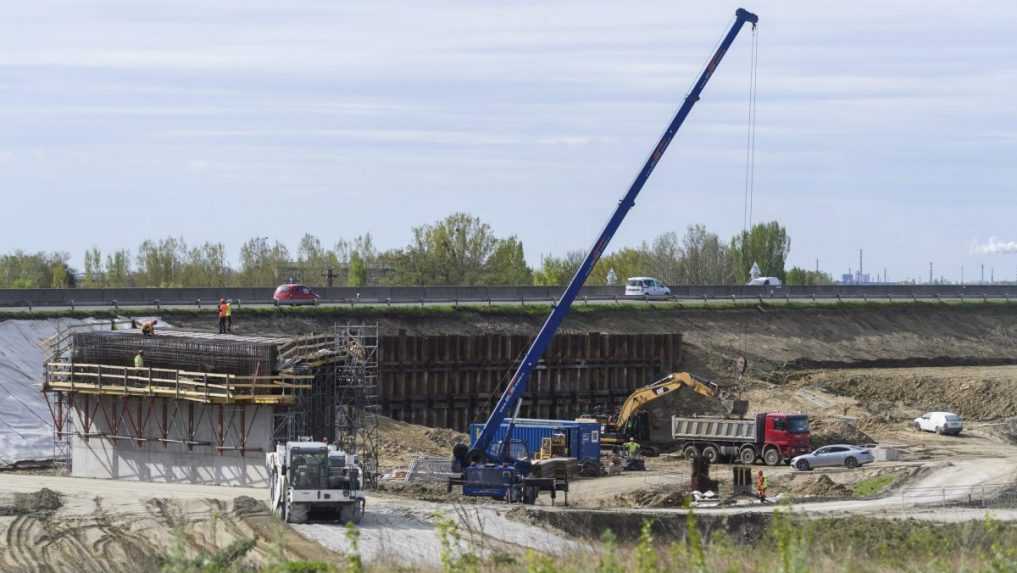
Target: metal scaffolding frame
(356,393)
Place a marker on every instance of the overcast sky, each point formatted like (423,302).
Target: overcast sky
(887,126)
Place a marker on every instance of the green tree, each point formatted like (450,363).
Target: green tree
(93,269)
(704,259)
(260,260)
(766,244)
(39,270)
(357,275)
(558,271)
(507,264)
(118,269)
(159,262)
(449,252)
(800,276)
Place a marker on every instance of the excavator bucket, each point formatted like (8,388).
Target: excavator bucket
(735,407)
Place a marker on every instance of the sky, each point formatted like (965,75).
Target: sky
(884,126)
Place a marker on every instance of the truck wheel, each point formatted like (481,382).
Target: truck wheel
(350,513)
(771,456)
(851,462)
(711,454)
(690,452)
(747,456)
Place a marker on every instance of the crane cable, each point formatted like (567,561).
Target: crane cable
(741,365)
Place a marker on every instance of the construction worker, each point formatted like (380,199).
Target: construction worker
(761,486)
(148,327)
(139,360)
(222,315)
(632,448)
(229,316)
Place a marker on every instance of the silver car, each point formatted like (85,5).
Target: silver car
(836,455)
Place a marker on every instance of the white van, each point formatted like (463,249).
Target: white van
(764,281)
(939,422)
(645,286)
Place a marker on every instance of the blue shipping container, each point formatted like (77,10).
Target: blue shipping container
(582,438)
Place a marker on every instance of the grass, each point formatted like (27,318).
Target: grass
(874,485)
(787,543)
(530,308)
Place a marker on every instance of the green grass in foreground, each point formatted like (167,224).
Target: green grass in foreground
(787,544)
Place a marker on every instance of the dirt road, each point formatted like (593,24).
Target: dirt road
(106,525)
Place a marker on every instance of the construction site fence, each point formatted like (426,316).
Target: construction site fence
(209,297)
(985,496)
(204,387)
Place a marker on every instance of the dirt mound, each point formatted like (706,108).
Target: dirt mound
(246,505)
(662,496)
(424,491)
(817,486)
(400,443)
(25,503)
(837,431)
(976,393)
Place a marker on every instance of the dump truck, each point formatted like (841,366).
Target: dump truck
(774,437)
(314,479)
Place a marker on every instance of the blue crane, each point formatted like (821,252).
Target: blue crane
(501,475)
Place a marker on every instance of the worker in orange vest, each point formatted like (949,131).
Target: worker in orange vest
(761,486)
(223,310)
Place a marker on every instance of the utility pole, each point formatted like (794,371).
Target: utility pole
(817,265)
(982,280)
(930,272)
(860,271)
(992,275)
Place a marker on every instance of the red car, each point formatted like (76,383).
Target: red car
(294,294)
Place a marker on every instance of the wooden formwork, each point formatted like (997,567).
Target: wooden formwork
(451,381)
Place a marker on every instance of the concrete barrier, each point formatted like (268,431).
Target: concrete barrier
(107,297)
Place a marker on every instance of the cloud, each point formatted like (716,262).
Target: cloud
(995,247)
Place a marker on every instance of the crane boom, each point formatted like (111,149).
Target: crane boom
(517,385)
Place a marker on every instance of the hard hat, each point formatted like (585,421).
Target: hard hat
(222,300)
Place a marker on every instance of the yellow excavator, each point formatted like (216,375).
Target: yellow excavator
(618,429)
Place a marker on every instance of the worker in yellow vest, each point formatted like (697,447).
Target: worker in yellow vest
(229,316)
(139,360)
(761,486)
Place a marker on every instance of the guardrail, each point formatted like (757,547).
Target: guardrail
(209,297)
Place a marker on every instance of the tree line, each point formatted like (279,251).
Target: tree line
(457,250)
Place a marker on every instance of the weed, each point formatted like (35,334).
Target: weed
(354,564)
(874,485)
(609,554)
(646,552)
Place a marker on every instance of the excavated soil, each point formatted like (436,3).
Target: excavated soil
(976,393)
(400,443)
(775,340)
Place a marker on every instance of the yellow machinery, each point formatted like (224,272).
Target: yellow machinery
(555,446)
(618,429)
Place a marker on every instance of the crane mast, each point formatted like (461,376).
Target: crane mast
(517,385)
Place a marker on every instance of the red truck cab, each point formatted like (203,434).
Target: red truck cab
(788,432)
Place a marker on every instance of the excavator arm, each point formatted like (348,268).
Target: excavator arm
(670,383)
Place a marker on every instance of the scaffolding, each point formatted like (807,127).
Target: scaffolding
(356,393)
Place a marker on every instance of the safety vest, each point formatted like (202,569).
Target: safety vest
(760,482)
(222,310)
(229,309)
(139,362)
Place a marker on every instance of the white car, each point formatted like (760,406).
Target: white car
(939,422)
(835,455)
(764,281)
(645,286)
